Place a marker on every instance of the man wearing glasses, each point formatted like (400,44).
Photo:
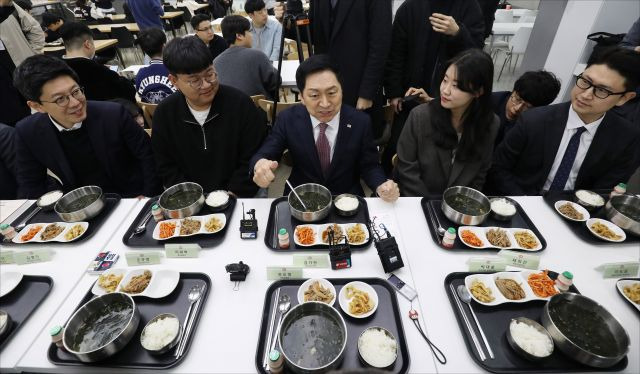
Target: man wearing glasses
(576,145)
(206,132)
(204,31)
(81,142)
(532,89)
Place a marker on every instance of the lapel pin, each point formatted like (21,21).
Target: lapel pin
(348,125)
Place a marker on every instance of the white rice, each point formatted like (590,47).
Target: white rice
(347,203)
(590,197)
(50,198)
(503,207)
(160,333)
(531,340)
(377,348)
(217,198)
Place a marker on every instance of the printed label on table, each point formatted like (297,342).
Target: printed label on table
(620,269)
(519,259)
(311,261)
(487,264)
(6,257)
(182,250)
(284,272)
(32,257)
(143,258)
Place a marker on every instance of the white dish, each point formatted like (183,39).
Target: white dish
(344,301)
(612,226)
(99,290)
(318,229)
(37,238)
(621,284)
(337,235)
(518,246)
(364,228)
(480,232)
(9,280)
(203,221)
(323,282)
(315,236)
(519,277)
(578,207)
(162,283)
(220,195)
(221,217)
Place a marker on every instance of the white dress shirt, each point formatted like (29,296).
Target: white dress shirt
(61,128)
(573,123)
(331,132)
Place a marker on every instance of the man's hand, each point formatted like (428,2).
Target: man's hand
(637,49)
(363,104)
(263,172)
(388,191)
(396,103)
(423,96)
(278,11)
(444,24)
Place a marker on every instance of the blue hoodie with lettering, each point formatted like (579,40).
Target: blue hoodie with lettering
(152,83)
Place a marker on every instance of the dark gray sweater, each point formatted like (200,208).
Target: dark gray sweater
(248,70)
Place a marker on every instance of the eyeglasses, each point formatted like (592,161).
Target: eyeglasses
(211,78)
(517,100)
(599,92)
(210,28)
(63,100)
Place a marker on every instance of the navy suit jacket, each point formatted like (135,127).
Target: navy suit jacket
(122,147)
(355,155)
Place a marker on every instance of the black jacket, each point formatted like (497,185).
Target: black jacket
(101,83)
(7,163)
(122,147)
(522,162)
(215,155)
(413,34)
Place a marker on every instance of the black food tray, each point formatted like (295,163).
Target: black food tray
(111,200)
(280,217)
(146,239)
(133,356)
(387,315)
(22,301)
(495,321)
(521,221)
(622,295)
(580,228)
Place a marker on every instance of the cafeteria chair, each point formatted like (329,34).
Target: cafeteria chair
(517,46)
(147,110)
(256,100)
(267,106)
(126,40)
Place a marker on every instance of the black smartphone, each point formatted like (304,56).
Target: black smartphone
(410,98)
(402,288)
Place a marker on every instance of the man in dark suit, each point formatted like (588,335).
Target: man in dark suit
(581,144)
(330,143)
(81,143)
(7,163)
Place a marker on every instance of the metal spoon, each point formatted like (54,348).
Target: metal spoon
(142,226)
(295,193)
(465,296)
(440,229)
(27,219)
(194,295)
(284,303)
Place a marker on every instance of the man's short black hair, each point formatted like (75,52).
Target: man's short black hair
(35,71)
(151,41)
(74,34)
(188,55)
(232,25)
(537,88)
(251,6)
(314,64)
(24,4)
(198,19)
(625,61)
(49,18)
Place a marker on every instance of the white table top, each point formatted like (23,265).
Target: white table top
(8,207)
(509,28)
(227,311)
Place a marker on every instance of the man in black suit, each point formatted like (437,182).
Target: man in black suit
(7,163)
(581,144)
(330,143)
(81,142)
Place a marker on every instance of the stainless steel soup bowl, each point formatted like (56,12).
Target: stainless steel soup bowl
(615,216)
(462,218)
(315,215)
(83,214)
(185,211)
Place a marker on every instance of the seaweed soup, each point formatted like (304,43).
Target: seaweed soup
(180,199)
(466,205)
(102,327)
(585,328)
(314,201)
(80,203)
(630,211)
(313,340)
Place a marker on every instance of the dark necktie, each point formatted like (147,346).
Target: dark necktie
(324,150)
(562,174)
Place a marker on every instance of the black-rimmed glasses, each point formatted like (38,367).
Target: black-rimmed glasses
(599,92)
(63,101)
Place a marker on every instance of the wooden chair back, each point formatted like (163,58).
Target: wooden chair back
(267,106)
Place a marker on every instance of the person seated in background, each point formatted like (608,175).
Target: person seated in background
(330,142)
(257,75)
(81,142)
(87,11)
(98,81)
(532,89)
(205,132)
(7,163)
(147,13)
(133,109)
(104,6)
(631,39)
(51,24)
(204,31)
(266,32)
(152,82)
(449,141)
(579,144)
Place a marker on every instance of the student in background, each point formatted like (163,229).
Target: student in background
(87,10)
(152,82)
(147,13)
(51,23)
(105,6)
(204,31)
(266,32)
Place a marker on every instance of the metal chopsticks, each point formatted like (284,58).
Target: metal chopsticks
(476,342)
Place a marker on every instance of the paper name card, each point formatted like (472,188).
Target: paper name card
(486,264)
(143,258)
(182,250)
(32,257)
(311,261)
(620,269)
(520,260)
(284,272)
(6,257)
